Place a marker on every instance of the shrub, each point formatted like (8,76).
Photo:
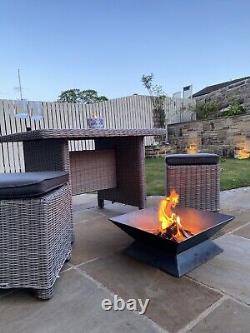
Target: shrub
(234,109)
(206,110)
(212,109)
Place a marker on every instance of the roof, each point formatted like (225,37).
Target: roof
(215,87)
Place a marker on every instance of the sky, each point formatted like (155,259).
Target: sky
(107,45)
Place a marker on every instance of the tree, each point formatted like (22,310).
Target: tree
(81,96)
(158,98)
(91,96)
(70,96)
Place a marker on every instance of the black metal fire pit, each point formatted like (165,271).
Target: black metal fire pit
(174,257)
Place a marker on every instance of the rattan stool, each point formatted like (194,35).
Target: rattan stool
(35,230)
(196,178)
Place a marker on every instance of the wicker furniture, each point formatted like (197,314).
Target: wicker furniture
(35,230)
(196,178)
(119,178)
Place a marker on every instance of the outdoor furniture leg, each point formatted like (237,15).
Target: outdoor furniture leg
(44,294)
(100,203)
(130,188)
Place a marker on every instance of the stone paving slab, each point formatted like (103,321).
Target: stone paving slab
(97,238)
(236,199)
(229,317)
(153,201)
(115,209)
(84,201)
(230,270)
(235,202)
(86,215)
(66,266)
(75,308)
(4,292)
(173,302)
(244,231)
(88,203)
(241,218)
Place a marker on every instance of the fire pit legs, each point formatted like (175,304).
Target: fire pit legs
(174,264)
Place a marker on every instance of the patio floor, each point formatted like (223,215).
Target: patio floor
(213,298)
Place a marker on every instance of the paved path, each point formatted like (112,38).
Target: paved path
(213,298)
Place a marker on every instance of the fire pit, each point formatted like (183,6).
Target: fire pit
(176,240)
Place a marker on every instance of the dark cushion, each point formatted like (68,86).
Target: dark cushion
(189,159)
(30,184)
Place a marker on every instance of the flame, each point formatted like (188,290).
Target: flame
(192,149)
(170,223)
(165,215)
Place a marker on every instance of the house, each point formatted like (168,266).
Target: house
(226,92)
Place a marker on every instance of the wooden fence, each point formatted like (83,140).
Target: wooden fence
(127,112)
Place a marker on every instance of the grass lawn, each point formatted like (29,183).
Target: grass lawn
(234,173)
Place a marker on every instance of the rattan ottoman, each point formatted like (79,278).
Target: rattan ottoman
(196,178)
(35,230)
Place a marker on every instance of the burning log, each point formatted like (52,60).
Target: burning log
(175,232)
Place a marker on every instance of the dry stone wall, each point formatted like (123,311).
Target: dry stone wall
(219,136)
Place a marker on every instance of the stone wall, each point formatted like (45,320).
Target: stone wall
(239,91)
(221,135)
(160,150)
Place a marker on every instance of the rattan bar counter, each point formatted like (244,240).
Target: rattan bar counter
(115,169)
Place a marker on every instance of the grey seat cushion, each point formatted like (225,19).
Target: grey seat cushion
(189,159)
(30,184)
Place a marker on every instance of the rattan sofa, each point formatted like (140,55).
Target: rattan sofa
(196,177)
(35,229)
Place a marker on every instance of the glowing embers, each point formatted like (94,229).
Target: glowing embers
(170,223)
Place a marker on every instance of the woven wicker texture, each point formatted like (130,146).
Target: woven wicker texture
(129,171)
(48,150)
(41,155)
(198,185)
(92,170)
(35,240)
(78,134)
